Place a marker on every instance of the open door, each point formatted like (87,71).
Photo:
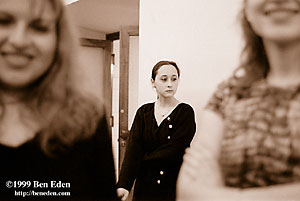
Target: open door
(125,52)
(124,104)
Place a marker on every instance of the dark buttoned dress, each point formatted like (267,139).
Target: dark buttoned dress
(154,152)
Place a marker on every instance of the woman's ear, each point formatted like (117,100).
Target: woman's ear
(152,82)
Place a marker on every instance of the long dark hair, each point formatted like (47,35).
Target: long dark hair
(253,60)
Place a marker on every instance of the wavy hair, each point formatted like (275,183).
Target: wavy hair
(64,113)
(253,60)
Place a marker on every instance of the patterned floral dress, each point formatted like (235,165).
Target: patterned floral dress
(261,140)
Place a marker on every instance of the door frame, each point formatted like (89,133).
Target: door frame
(123,35)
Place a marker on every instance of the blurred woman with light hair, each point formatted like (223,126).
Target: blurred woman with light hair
(51,131)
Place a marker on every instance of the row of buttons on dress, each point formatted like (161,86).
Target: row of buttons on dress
(161,173)
(169,137)
(170,126)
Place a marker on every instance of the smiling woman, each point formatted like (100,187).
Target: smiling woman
(247,145)
(274,20)
(28,43)
(51,131)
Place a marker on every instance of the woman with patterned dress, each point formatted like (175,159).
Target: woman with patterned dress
(160,133)
(248,143)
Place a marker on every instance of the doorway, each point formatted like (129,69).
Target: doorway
(124,76)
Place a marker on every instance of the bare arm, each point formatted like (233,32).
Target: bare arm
(199,168)
(200,177)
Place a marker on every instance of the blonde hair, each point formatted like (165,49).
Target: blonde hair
(65,114)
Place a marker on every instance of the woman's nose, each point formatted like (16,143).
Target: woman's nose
(18,36)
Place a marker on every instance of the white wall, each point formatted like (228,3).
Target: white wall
(202,36)
(133,78)
(91,72)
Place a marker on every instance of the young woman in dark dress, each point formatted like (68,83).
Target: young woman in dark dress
(54,139)
(160,133)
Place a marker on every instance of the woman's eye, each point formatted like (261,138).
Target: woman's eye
(5,21)
(40,27)
(174,79)
(164,79)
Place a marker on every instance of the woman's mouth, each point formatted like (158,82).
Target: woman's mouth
(16,60)
(281,14)
(284,8)
(281,11)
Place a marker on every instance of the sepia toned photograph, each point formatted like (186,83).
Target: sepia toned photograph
(150,100)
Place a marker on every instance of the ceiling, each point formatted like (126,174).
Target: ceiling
(106,16)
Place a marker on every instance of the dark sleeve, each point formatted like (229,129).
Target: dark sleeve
(184,131)
(218,100)
(133,154)
(101,164)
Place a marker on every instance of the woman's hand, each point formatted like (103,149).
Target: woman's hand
(122,193)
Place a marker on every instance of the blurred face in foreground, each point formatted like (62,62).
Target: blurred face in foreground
(27,41)
(277,21)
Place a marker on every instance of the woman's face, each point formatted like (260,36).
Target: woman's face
(27,41)
(274,20)
(166,81)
